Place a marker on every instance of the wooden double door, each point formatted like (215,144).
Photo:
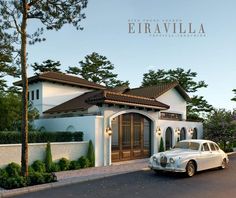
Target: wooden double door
(130,137)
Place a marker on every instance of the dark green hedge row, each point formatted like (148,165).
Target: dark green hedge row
(7,137)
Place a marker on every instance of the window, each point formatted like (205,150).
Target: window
(37,94)
(32,95)
(217,147)
(206,147)
(212,147)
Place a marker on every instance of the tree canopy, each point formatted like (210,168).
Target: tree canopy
(97,68)
(187,81)
(234,98)
(45,66)
(220,127)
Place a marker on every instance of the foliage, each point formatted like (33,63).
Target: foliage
(74,165)
(39,166)
(84,162)
(186,79)
(53,15)
(98,69)
(91,154)
(48,158)
(55,167)
(234,98)
(45,66)
(64,164)
(161,148)
(13,169)
(220,127)
(7,137)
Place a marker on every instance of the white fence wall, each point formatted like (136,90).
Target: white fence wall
(70,150)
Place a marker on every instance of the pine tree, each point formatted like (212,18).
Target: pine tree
(48,158)
(91,154)
(46,66)
(161,148)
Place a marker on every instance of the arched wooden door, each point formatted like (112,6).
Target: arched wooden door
(183,134)
(130,137)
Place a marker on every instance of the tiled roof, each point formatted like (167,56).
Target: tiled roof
(157,90)
(76,104)
(109,97)
(62,78)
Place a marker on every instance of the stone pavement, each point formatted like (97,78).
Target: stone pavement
(75,176)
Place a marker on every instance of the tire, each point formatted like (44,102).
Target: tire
(190,169)
(223,164)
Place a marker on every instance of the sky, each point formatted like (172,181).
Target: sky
(106,31)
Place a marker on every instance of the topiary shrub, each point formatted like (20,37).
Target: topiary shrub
(39,166)
(48,158)
(161,148)
(64,164)
(74,165)
(91,154)
(13,169)
(14,182)
(55,167)
(84,162)
(36,178)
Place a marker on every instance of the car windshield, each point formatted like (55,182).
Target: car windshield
(187,145)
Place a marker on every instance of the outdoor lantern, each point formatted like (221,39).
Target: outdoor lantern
(158,131)
(109,131)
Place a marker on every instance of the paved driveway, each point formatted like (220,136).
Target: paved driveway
(145,184)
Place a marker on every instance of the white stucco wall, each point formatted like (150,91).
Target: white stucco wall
(37,103)
(91,126)
(175,101)
(55,94)
(70,150)
(164,124)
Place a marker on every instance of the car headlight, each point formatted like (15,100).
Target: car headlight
(154,158)
(172,161)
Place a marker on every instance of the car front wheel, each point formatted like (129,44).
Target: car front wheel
(190,169)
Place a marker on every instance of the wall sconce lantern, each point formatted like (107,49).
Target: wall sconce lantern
(177,130)
(190,131)
(109,131)
(158,130)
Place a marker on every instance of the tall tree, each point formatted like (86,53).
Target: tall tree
(186,80)
(45,66)
(234,98)
(220,127)
(97,68)
(52,14)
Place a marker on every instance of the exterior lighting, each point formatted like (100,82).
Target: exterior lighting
(109,131)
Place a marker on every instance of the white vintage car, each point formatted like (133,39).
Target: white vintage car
(190,156)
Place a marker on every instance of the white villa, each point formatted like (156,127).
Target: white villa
(123,123)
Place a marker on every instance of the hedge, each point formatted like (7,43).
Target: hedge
(11,137)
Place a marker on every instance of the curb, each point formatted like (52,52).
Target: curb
(60,183)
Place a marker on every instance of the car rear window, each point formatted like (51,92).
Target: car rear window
(212,147)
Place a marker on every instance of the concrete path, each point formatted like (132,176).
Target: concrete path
(75,176)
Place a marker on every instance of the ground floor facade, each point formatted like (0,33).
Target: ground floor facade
(125,134)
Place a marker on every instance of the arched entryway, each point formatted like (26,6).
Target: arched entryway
(169,139)
(194,133)
(182,134)
(130,137)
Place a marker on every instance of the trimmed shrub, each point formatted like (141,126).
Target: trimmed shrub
(64,164)
(39,166)
(48,158)
(91,154)
(11,137)
(74,165)
(161,148)
(14,182)
(55,167)
(84,162)
(13,169)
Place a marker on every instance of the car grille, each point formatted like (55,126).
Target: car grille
(163,161)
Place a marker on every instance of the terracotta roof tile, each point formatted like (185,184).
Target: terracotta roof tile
(62,78)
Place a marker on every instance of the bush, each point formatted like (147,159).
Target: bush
(48,158)
(39,166)
(74,165)
(64,164)
(84,162)
(161,148)
(13,182)
(90,154)
(11,137)
(13,169)
(55,167)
